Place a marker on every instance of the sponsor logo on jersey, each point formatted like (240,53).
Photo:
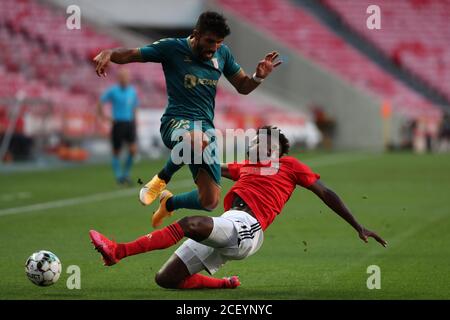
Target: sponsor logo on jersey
(190,81)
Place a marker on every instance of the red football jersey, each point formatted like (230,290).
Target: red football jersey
(266,193)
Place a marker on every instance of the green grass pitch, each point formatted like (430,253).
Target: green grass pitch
(308,253)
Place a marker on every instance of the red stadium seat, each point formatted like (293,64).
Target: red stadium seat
(280,19)
(38,58)
(414,33)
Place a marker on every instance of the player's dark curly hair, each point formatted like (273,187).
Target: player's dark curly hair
(284,142)
(210,21)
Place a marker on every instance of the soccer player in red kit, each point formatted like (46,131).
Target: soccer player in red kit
(261,190)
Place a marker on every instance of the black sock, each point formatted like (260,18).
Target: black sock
(164,176)
(169,204)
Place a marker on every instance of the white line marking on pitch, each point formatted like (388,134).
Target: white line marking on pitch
(81,200)
(15,196)
(314,162)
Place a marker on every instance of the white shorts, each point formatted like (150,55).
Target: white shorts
(235,236)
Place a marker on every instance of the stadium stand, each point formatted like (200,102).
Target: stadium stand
(304,33)
(46,61)
(415,34)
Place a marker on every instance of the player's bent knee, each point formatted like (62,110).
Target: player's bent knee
(190,225)
(210,206)
(197,228)
(165,281)
(209,202)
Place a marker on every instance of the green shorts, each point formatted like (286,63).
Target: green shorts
(171,130)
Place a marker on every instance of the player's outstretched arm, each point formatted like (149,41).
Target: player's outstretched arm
(118,55)
(334,202)
(245,84)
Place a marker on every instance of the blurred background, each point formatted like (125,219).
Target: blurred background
(368,109)
(342,86)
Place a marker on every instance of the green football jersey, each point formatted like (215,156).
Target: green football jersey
(191,83)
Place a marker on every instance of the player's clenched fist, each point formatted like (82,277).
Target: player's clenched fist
(101,62)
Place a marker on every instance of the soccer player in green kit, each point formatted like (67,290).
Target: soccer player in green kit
(192,67)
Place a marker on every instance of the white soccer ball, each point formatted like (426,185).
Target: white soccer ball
(43,268)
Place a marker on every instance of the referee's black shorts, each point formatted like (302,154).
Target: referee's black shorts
(123,131)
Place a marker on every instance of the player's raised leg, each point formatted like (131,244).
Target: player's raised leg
(206,176)
(175,273)
(158,183)
(196,227)
(152,189)
(205,197)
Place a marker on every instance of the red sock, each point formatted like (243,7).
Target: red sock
(199,281)
(159,239)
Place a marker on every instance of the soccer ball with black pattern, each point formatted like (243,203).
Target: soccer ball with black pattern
(43,268)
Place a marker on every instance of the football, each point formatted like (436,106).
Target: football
(43,268)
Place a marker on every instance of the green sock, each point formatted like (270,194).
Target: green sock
(169,169)
(187,200)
